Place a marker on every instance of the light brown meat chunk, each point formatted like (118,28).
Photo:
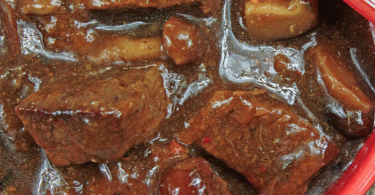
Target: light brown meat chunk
(95,118)
(122,48)
(9,20)
(261,138)
(182,41)
(341,83)
(64,32)
(40,7)
(138,173)
(279,19)
(192,176)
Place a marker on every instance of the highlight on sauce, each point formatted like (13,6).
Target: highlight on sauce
(182,97)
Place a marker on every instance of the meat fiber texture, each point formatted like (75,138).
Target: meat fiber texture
(261,138)
(95,119)
(191,176)
(138,172)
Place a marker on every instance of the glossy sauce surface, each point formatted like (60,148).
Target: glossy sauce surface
(78,47)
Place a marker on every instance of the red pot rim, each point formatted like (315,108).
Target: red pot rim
(360,175)
(365,7)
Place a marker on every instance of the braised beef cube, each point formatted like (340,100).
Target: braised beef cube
(205,5)
(95,119)
(341,83)
(182,41)
(140,172)
(279,19)
(137,173)
(40,7)
(124,49)
(261,138)
(355,117)
(192,176)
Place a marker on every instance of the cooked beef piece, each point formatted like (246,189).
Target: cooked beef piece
(341,83)
(40,7)
(192,176)
(182,41)
(9,20)
(95,118)
(142,171)
(124,48)
(68,32)
(355,116)
(138,173)
(279,19)
(261,138)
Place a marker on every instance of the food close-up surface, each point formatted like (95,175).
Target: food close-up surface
(182,97)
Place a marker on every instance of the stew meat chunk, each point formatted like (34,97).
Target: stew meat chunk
(40,7)
(277,151)
(279,19)
(140,172)
(182,41)
(341,83)
(192,176)
(124,49)
(144,171)
(354,117)
(116,114)
(93,89)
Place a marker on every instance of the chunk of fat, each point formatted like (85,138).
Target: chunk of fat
(275,19)
(40,7)
(120,49)
(340,82)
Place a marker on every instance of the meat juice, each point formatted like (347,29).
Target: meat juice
(236,97)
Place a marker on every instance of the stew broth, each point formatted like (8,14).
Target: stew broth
(73,47)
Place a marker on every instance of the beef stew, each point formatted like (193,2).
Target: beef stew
(202,96)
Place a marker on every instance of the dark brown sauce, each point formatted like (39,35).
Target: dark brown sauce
(61,55)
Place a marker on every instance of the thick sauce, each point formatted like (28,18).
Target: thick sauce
(66,63)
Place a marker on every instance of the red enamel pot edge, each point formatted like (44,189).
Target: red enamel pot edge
(365,7)
(360,175)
